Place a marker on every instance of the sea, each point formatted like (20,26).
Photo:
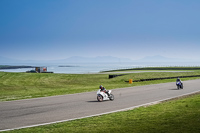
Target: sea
(87,68)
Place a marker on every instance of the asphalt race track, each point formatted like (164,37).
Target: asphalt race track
(40,111)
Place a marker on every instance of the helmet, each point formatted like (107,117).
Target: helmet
(100,87)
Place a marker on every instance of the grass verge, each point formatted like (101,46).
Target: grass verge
(175,116)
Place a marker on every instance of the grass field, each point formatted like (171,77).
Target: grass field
(15,86)
(175,116)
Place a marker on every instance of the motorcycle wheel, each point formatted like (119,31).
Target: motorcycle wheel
(178,87)
(99,98)
(111,97)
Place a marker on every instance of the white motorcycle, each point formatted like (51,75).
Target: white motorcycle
(101,96)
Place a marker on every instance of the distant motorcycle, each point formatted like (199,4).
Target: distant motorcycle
(101,96)
(179,85)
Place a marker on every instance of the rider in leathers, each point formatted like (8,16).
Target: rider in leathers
(179,80)
(104,90)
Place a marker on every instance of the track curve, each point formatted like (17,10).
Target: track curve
(40,111)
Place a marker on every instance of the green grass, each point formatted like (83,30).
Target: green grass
(29,85)
(15,86)
(175,116)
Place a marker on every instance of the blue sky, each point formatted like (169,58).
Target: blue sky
(58,29)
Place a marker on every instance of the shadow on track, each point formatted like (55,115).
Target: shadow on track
(92,101)
(173,89)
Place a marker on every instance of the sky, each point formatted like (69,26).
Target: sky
(59,29)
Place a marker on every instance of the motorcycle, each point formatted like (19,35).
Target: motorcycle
(179,85)
(101,96)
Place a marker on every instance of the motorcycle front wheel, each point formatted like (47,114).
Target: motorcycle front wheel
(178,87)
(111,97)
(181,86)
(99,98)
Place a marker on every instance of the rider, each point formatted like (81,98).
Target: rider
(179,80)
(104,90)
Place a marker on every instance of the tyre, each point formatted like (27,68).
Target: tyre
(178,87)
(111,97)
(182,87)
(100,98)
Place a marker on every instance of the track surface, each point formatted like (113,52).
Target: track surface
(22,113)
